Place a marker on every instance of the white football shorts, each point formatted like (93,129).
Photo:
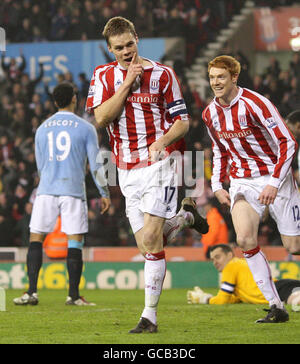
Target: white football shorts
(152,189)
(286,208)
(46,209)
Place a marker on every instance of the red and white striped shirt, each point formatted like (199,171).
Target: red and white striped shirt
(148,113)
(251,137)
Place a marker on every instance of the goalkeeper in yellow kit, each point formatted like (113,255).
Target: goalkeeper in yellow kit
(238,285)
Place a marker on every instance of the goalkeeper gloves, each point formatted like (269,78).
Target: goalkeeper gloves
(198,296)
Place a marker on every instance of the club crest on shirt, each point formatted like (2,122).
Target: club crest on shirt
(242,120)
(154,84)
(91,91)
(216,123)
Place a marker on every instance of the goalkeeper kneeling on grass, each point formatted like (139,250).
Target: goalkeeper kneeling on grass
(238,285)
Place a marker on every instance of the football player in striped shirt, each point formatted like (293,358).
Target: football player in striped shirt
(238,285)
(252,142)
(293,122)
(140,103)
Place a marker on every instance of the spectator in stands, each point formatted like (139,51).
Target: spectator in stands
(274,68)
(25,32)
(38,22)
(89,20)
(19,126)
(13,70)
(258,85)
(160,16)
(6,110)
(20,199)
(268,233)
(221,12)
(35,100)
(28,84)
(68,76)
(143,22)
(244,79)
(5,205)
(10,177)
(83,90)
(26,11)
(59,25)
(105,13)
(1,178)
(284,80)
(17,92)
(175,23)
(6,148)
(84,85)
(218,230)
(194,35)
(9,16)
(6,221)
(125,11)
(295,65)
(196,132)
(76,30)
(49,108)
(275,91)
(291,100)
(188,96)
(72,5)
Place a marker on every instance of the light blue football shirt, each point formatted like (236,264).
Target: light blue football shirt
(63,144)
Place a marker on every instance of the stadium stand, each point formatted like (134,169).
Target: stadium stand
(22,109)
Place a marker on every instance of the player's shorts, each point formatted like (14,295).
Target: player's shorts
(46,209)
(152,189)
(285,288)
(286,208)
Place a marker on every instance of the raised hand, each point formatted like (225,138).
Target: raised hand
(223,197)
(268,195)
(134,72)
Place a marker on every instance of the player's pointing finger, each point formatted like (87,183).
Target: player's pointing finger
(134,59)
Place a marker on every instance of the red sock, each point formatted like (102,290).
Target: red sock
(155,256)
(250,253)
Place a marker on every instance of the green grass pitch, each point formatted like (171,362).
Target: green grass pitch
(117,311)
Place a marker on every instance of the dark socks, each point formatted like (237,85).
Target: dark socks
(34,262)
(74,266)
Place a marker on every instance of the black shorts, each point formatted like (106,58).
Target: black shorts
(285,287)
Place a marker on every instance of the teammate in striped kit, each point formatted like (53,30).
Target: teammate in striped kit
(140,103)
(293,122)
(249,136)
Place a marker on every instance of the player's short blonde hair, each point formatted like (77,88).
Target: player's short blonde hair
(229,63)
(117,26)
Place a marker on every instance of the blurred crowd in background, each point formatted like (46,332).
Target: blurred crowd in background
(54,20)
(22,109)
